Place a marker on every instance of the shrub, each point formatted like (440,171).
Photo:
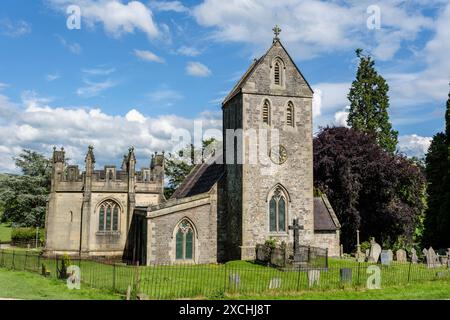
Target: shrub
(26,234)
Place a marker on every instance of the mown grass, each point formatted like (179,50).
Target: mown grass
(215,281)
(5,232)
(26,285)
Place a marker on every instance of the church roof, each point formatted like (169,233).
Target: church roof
(240,84)
(201,179)
(324,217)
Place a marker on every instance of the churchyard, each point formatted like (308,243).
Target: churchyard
(237,278)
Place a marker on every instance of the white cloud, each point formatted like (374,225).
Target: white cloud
(117,18)
(414,145)
(188,51)
(14,29)
(148,56)
(197,69)
(333,96)
(317,103)
(52,77)
(93,89)
(39,126)
(75,48)
(312,27)
(99,71)
(175,6)
(340,118)
(165,96)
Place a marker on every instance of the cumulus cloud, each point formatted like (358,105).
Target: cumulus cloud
(148,56)
(116,17)
(317,103)
(414,145)
(310,27)
(38,126)
(14,29)
(340,118)
(197,69)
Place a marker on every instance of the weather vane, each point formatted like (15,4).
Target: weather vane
(276,30)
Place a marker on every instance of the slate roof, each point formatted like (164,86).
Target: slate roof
(324,217)
(200,180)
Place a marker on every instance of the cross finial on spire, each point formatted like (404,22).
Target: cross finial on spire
(276,30)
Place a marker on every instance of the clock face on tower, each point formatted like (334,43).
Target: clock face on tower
(278,154)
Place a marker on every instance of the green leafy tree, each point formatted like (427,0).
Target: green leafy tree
(177,166)
(369,104)
(24,197)
(437,218)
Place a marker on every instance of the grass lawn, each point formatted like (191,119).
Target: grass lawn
(26,285)
(5,232)
(218,280)
(430,290)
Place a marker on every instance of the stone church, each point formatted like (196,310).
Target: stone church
(224,208)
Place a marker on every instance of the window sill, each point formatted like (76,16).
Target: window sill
(278,234)
(108,233)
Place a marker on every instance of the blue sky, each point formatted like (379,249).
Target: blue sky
(137,71)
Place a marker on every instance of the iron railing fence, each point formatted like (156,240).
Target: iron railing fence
(216,280)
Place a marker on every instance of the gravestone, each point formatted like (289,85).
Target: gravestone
(275,283)
(346,275)
(261,253)
(341,251)
(313,277)
(386,257)
(235,281)
(448,256)
(296,227)
(375,251)
(400,256)
(432,258)
(414,257)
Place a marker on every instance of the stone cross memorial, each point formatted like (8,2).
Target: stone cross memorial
(296,227)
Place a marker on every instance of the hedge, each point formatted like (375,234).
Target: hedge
(26,234)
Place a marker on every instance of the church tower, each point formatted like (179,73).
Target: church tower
(267,121)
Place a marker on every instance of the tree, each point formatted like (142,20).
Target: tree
(437,218)
(179,165)
(369,103)
(24,197)
(377,192)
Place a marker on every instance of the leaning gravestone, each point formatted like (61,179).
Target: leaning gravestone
(313,277)
(414,257)
(346,275)
(400,256)
(386,257)
(275,283)
(375,251)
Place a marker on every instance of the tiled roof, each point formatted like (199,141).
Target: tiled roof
(324,217)
(200,180)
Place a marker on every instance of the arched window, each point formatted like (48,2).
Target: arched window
(277,211)
(108,216)
(184,241)
(277,73)
(266,112)
(290,114)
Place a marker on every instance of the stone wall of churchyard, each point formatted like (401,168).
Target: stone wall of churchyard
(328,239)
(161,230)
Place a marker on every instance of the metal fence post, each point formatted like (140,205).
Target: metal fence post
(409,270)
(225,280)
(359,264)
(26,258)
(13,264)
(114,277)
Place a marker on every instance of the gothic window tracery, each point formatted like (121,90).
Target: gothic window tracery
(277,211)
(108,217)
(184,246)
